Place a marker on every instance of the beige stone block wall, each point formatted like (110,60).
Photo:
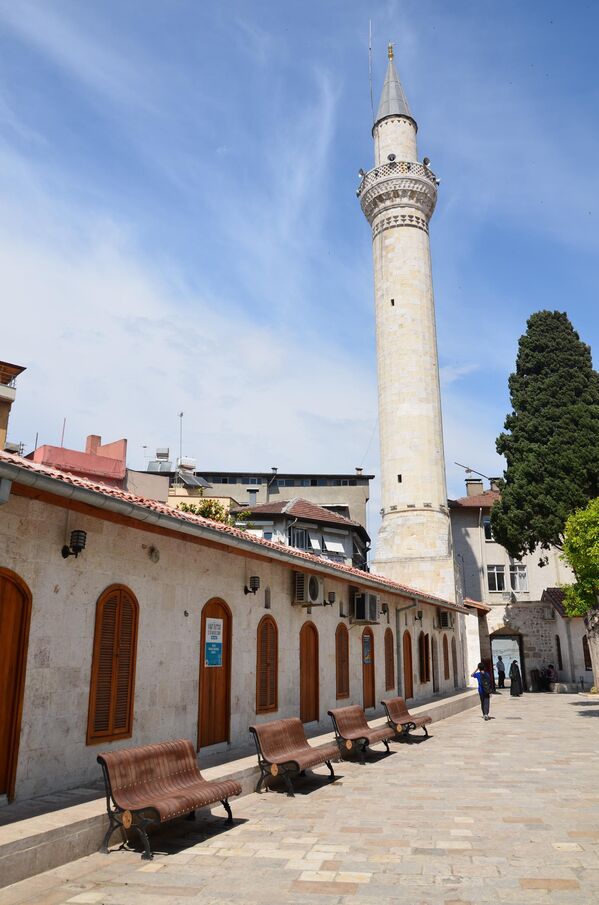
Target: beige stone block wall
(395,135)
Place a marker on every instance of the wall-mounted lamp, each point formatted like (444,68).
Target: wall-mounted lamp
(254,585)
(78,539)
(385,609)
(418,616)
(331,597)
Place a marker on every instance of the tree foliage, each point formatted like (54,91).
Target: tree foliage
(551,438)
(214,510)
(581,551)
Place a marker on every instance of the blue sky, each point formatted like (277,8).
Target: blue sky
(179,228)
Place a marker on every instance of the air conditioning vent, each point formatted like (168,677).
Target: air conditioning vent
(365,608)
(548,613)
(307,589)
(444,619)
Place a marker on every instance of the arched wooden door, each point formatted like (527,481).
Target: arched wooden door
(309,706)
(15,614)
(368,693)
(215,674)
(408,678)
(435,658)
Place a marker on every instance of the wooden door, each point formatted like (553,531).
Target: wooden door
(215,674)
(309,708)
(15,612)
(408,679)
(368,668)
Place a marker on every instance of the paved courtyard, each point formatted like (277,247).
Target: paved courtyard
(504,811)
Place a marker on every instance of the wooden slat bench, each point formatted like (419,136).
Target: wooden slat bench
(352,731)
(283,749)
(151,784)
(401,720)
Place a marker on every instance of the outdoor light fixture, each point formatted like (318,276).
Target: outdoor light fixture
(331,598)
(78,539)
(254,585)
(418,616)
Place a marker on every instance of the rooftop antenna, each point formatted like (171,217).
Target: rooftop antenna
(469,470)
(64,424)
(370,65)
(180,436)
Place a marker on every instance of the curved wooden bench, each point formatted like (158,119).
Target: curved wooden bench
(352,730)
(151,784)
(283,749)
(401,720)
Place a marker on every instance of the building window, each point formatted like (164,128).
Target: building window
(389,661)
(267,665)
(299,538)
(113,666)
(518,577)
(445,658)
(496,578)
(342,660)
(487,527)
(558,652)
(587,654)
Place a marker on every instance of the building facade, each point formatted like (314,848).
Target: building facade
(398,197)
(167,625)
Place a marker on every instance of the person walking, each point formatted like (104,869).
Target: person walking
(500,667)
(515,680)
(484,688)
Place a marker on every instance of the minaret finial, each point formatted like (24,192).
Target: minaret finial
(390,50)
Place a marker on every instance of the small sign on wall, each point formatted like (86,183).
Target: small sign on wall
(213,644)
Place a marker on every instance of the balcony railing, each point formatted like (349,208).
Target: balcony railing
(393,169)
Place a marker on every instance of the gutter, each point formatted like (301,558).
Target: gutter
(10,472)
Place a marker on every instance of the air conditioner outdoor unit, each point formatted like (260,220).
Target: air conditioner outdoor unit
(366,608)
(307,589)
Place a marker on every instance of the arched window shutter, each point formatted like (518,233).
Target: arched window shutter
(389,661)
(113,667)
(421,658)
(427,658)
(267,666)
(342,660)
(445,658)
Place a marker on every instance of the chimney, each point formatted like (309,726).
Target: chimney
(8,375)
(92,443)
(495,483)
(474,486)
(359,471)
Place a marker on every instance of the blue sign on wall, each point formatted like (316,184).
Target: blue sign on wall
(213,645)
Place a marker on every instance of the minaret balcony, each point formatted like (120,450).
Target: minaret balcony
(399,183)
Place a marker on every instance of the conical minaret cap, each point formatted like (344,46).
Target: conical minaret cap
(393,100)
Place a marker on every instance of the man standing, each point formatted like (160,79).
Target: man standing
(500,667)
(484,689)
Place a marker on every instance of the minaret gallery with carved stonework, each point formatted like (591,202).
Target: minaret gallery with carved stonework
(398,198)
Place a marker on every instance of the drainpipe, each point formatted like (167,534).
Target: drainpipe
(5,488)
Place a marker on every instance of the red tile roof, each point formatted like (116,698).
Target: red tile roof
(476,605)
(481,501)
(104,491)
(299,508)
(555,597)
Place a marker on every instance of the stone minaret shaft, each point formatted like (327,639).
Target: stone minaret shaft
(398,198)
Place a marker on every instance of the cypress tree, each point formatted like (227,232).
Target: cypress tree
(551,438)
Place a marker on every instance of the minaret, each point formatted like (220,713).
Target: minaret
(398,198)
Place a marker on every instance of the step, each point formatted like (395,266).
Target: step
(36,844)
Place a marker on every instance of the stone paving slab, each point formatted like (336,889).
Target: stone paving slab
(498,811)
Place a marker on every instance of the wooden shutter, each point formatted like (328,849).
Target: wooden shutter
(342,660)
(113,666)
(267,666)
(427,658)
(421,660)
(445,658)
(389,661)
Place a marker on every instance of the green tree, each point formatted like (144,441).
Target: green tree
(581,551)
(551,438)
(214,510)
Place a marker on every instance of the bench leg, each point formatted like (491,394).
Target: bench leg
(114,824)
(227,807)
(147,853)
(386,743)
(261,781)
(329,765)
(290,791)
(425,731)
(362,752)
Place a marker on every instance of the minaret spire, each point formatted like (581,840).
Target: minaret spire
(393,99)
